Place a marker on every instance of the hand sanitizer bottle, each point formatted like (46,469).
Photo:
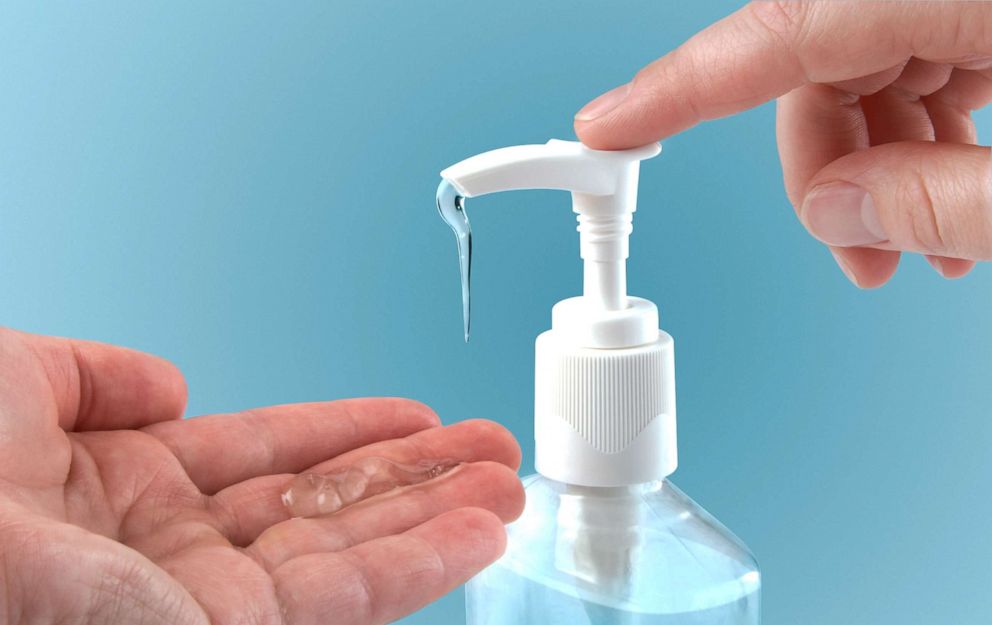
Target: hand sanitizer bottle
(604,538)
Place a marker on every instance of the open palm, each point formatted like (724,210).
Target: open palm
(114,510)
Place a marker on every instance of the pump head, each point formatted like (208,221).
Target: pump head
(604,194)
(604,384)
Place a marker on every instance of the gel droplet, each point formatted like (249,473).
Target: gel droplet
(313,494)
(452,209)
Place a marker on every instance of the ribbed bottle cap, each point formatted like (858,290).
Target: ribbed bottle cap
(604,417)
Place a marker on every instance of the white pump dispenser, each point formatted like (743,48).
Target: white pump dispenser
(604,538)
(604,375)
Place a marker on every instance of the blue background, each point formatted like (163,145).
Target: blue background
(248,191)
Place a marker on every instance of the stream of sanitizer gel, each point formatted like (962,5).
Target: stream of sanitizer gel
(452,209)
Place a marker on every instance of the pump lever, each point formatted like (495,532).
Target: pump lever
(557,164)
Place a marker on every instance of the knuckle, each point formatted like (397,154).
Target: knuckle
(937,198)
(362,595)
(782,19)
(425,566)
(654,79)
(984,208)
(265,550)
(964,25)
(24,544)
(791,26)
(961,205)
(301,593)
(924,217)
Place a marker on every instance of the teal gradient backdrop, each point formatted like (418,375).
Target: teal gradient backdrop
(247,189)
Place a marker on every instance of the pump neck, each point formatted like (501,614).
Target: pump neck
(604,244)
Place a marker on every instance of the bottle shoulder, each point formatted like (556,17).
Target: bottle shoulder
(653,507)
(651,543)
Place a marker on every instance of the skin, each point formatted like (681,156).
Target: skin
(115,510)
(873,97)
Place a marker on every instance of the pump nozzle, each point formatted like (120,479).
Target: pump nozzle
(557,164)
(604,194)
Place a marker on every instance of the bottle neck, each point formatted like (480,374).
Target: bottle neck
(614,492)
(602,527)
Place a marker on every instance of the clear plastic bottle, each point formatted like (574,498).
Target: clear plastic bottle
(636,555)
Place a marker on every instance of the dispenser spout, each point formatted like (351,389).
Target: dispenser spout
(604,194)
(557,164)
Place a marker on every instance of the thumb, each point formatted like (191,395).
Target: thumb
(930,198)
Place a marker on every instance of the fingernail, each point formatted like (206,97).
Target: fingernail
(842,214)
(603,104)
(845,268)
(937,264)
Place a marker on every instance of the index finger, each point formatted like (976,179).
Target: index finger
(219,450)
(767,49)
(94,386)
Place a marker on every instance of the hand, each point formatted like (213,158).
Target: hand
(112,510)
(874,120)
